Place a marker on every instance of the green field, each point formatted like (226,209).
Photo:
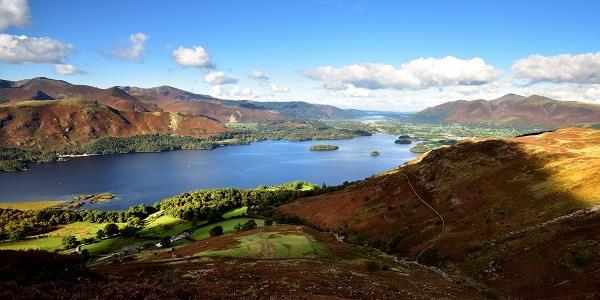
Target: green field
(202,232)
(236,212)
(53,240)
(30,205)
(165,226)
(273,245)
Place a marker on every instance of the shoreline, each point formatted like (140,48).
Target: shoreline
(65,157)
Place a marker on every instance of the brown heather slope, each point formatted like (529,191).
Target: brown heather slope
(521,215)
(343,271)
(175,100)
(514,110)
(55,124)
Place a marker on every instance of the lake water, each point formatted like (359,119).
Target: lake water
(149,177)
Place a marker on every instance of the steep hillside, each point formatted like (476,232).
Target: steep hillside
(518,215)
(47,89)
(513,110)
(55,124)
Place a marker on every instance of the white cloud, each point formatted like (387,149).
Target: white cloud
(258,75)
(280,88)
(136,47)
(216,91)
(582,68)
(238,91)
(13,13)
(66,69)
(420,73)
(219,78)
(353,91)
(18,49)
(193,57)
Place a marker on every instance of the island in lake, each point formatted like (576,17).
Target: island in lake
(323,147)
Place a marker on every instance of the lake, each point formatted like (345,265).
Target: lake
(149,177)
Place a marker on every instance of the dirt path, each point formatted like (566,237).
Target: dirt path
(435,211)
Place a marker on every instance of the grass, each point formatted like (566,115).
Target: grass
(53,240)
(203,232)
(235,212)
(165,226)
(273,245)
(31,205)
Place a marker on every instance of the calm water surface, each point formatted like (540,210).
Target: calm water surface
(149,177)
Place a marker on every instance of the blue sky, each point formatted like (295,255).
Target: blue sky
(387,55)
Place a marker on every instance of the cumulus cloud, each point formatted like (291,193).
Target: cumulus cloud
(66,69)
(18,49)
(258,75)
(135,49)
(280,88)
(219,78)
(216,91)
(238,91)
(417,74)
(13,13)
(564,68)
(195,57)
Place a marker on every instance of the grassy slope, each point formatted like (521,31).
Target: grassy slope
(165,226)
(235,212)
(272,245)
(53,240)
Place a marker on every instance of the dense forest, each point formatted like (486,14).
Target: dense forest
(209,204)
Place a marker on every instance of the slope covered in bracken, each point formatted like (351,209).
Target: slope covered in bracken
(519,216)
(55,124)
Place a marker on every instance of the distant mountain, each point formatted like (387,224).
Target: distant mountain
(513,110)
(171,99)
(55,124)
(25,90)
(168,99)
(500,212)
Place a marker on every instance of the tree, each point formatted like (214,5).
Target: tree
(268,222)
(135,222)
(100,234)
(69,241)
(111,229)
(251,224)
(165,242)
(237,227)
(128,231)
(17,235)
(216,231)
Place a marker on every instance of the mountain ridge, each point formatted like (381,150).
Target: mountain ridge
(513,110)
(169,99)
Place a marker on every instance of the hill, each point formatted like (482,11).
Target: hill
(513,110)
(56,124)
(289,262)
(168,99)
(42,88)
(518,215)
(172,99)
